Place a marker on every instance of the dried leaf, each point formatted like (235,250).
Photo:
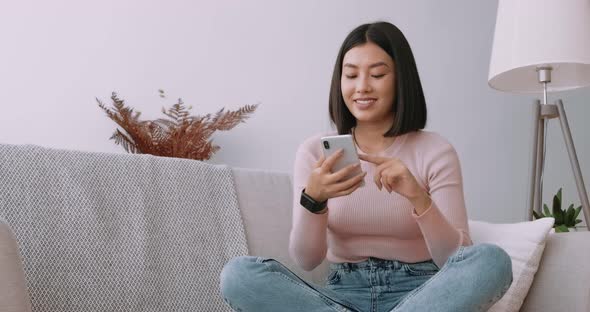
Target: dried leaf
(179,135)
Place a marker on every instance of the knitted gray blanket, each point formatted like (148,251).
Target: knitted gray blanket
(120,232)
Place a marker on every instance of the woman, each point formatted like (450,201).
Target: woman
(399,243)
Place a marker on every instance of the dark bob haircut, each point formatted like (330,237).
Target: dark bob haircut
(409,107)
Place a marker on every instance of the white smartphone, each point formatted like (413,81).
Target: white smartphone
(331,144)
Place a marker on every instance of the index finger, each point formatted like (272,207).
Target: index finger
(331,160)
(320,161)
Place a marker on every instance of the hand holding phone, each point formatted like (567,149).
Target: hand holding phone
(338,173)
(331,144)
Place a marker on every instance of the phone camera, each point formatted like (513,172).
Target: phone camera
(326,145)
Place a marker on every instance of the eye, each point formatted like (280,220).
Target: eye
(377,76)
(350,76)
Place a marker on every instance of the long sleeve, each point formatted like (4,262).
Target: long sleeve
(308,239)
(373,223)
(444,224)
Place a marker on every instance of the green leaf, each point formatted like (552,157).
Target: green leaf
(561,229)
(547,212)
(578,221)
(569,216)
(578,211)
(557,202)
(559,216)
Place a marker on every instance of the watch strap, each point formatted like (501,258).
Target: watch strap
(311,204)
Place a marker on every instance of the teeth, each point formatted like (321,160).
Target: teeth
(365,101)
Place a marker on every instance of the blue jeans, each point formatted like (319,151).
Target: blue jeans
(472,279)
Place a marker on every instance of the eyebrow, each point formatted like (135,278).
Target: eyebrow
(370,66)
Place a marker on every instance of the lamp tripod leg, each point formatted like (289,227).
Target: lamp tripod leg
(540,162)
(533,183)
(567,136)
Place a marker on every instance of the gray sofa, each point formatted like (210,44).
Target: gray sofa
(264,200)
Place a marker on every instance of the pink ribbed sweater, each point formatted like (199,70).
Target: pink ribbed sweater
(373,223)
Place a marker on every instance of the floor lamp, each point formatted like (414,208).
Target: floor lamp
(541,46)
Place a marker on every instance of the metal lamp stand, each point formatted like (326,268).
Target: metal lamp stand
(542,112)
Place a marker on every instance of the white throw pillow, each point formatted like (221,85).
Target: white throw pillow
(524,242)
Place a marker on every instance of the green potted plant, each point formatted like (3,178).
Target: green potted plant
(564,219)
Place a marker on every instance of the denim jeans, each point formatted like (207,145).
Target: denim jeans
(472,279)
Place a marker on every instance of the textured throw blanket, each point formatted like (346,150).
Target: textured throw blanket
(120,232)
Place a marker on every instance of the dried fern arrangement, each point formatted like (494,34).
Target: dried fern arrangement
(179,135)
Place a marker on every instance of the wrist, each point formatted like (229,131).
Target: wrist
(323,211)
(312,204)
(316,196)
(421,202)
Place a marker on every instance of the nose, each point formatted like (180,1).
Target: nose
(363,85)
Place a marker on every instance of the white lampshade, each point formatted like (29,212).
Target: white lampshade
(530,33)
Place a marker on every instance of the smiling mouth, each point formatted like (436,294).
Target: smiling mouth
(365,103)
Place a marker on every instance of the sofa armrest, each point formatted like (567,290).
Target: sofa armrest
(562,282)
(266,202)
(14,296)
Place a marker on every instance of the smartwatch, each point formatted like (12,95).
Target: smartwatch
(311,204)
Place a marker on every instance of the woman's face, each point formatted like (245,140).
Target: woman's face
(367,83)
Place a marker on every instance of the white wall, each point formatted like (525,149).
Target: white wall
(57,56)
